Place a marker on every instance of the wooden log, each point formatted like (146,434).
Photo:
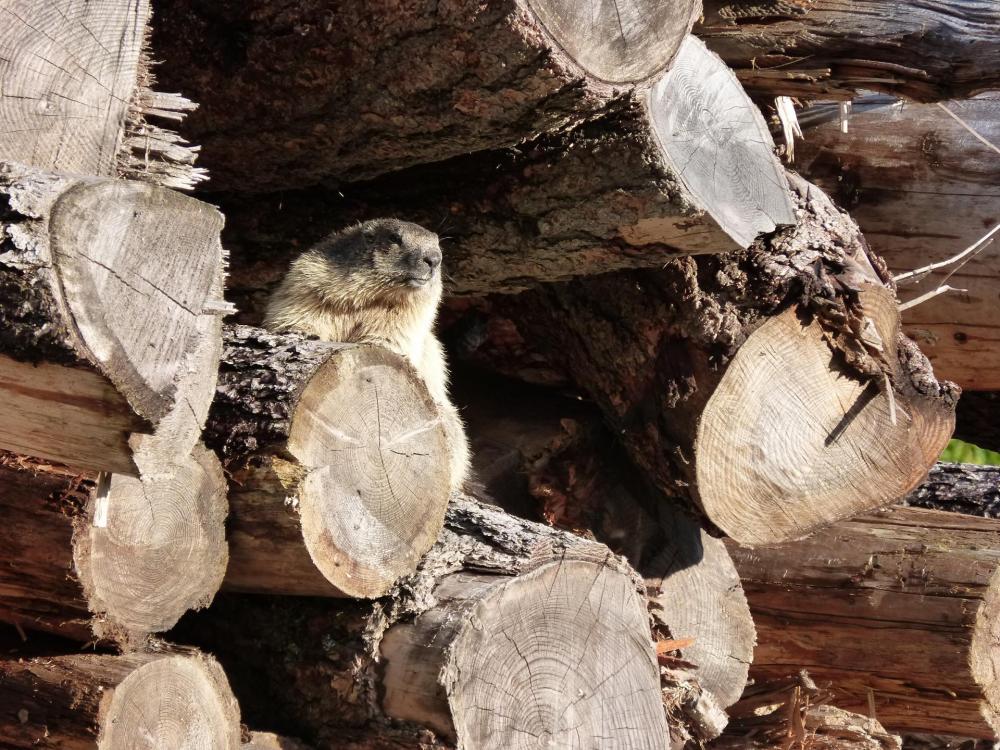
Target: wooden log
(349,97)
(108,557)
(77,94)
(792,714)
(338,464)
(531,444)
(624,191)
(755,383)
(271,741)
(510,631)
(110,303)
(922,188)
(830,49)
(166,698)
(895,610)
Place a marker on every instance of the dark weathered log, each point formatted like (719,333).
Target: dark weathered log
(791,714)
(960,488)
(110,306)
(510,631)
(530,444)
(76,85)
(685,167)
(163,699)
(977,420)
(339,470)
(824,49)
(349,90)
(755,383)
(896,610)
(922,188)
(109,558)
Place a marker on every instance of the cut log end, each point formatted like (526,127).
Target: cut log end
(176,701)
(615,42)
(716,140)
(544,658)
(155,547)
(984,653)
(373,501)
(790,442)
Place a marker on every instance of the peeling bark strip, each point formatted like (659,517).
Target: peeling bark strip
(338,461)
(112,559)
(510,631)
(898,607)
(922,188)
(76,93)
(359,88)
(164,699)
(110,295)
(755,383)
(822,49)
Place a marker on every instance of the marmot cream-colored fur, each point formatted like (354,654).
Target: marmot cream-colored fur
(377,282)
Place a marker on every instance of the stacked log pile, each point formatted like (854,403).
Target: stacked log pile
(690,385)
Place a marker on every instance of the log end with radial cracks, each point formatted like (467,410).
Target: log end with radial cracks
(791,440)
(717,144)
(154,546)
(560,655)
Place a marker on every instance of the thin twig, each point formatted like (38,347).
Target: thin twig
(975,247)
(943,289)
(968,127)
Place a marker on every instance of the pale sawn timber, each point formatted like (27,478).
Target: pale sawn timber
(338,464)
(111,304)
(109,558)
(165,698)
(898,609)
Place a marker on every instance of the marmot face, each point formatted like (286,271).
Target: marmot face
(395,255)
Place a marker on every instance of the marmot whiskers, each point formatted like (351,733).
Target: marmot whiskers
(377,282)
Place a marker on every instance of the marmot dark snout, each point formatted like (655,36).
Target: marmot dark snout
(377,282)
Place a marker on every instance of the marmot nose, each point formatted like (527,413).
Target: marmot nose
(432,258)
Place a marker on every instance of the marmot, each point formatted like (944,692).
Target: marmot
(376,282)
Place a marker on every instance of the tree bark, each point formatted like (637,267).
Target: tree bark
(109,558)
(960,488)
(345,91)
(76,85)
(338,464)
(755,383)
(922,188)
(896,609)
(167,698)
(830,49)
(509,632)
(110,304)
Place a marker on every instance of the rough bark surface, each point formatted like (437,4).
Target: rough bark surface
(349,90)
(922,188)
(110,304)
(338,671)
(166,698)
(960,488)
(338,463)
(895,610)
(826,49)
(109,558)
(693,364)
(77,95)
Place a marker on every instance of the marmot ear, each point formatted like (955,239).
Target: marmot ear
(368,231)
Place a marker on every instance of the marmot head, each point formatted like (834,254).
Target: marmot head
(377,259)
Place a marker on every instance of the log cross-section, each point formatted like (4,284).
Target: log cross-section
(339,464)
(110,302)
